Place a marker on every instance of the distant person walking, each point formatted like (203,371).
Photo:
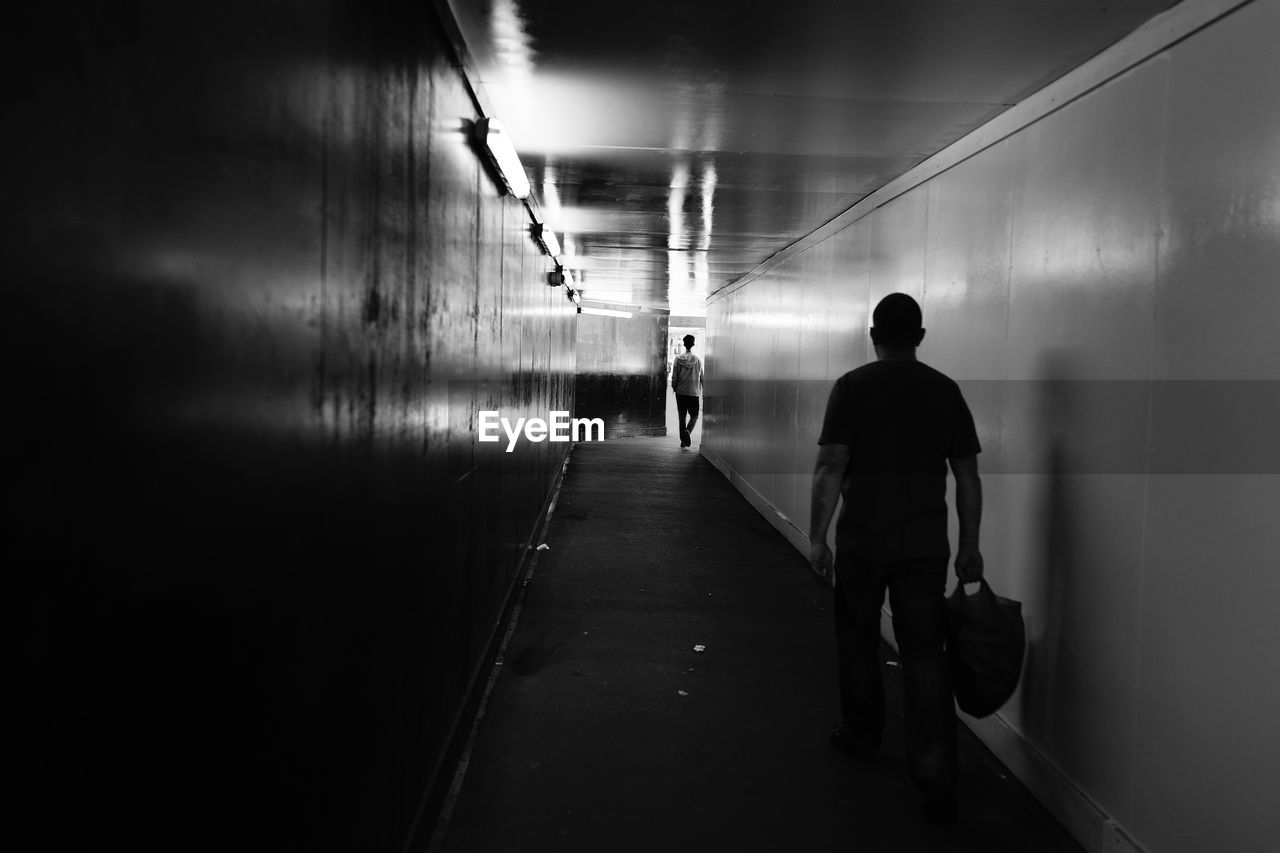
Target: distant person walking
(890,430)
(686,381)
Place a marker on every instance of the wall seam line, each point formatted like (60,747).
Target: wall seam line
(1144,552)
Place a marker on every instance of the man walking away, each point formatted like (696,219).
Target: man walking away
(891,428)
(686,381)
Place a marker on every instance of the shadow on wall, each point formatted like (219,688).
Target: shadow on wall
(1046,653)
(1088,457)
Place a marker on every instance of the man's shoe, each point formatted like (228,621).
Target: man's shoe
(857,752)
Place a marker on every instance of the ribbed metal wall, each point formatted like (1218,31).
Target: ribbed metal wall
(258,287)
(1103,283)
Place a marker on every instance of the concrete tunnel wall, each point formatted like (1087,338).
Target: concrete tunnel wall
(1103,285)
(258,287)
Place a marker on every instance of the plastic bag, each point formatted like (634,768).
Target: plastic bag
(986,639)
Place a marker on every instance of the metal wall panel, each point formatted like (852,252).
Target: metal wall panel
(1102,285)
(261,287)
(1080,315)
(768,364)
(897,244)
(1210,642)
(783,370)
(812,290)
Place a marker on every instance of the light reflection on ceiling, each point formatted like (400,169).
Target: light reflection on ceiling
(675,145)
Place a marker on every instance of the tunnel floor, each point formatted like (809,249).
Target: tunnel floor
(670,685)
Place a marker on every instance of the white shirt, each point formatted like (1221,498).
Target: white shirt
(686,374)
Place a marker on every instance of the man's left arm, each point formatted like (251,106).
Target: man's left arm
(828,473)
(969,564)
(964,465)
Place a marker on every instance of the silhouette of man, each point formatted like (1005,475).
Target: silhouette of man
(891,427)
(686,381)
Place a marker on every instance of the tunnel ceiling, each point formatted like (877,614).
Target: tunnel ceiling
(676,144)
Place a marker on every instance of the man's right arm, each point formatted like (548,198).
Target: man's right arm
(827,476)
(969,564)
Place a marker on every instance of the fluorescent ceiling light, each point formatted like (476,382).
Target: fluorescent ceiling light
(498,144)
(605,312)
(549,240)
(569,280)
(597,302)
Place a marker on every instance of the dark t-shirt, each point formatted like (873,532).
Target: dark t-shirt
(902,421)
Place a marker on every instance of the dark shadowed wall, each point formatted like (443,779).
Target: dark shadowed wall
(622,373)
(258,286)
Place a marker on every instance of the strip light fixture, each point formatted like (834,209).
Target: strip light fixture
(491,134)
(548,239)
(605,312)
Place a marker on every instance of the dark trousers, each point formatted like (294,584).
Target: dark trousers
(917,591)
(687,404)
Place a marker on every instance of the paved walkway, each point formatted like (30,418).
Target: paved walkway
(670,685)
